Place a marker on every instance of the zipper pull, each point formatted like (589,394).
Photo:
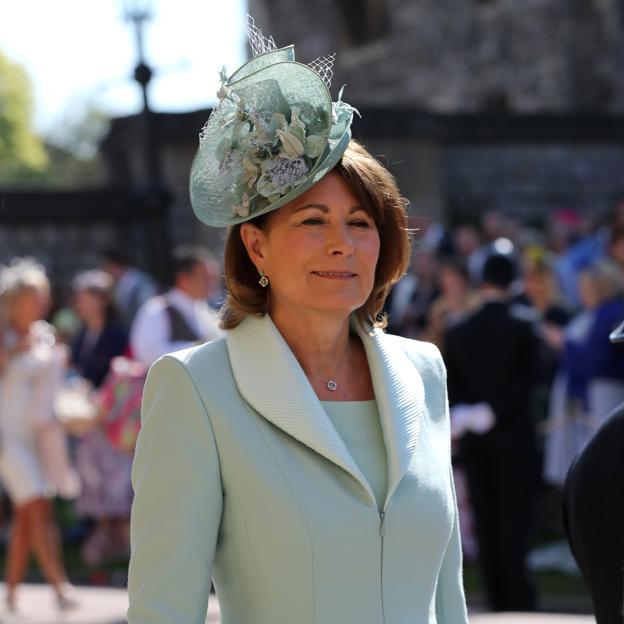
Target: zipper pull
(382,517)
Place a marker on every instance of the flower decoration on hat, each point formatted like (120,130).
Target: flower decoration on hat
(274,132)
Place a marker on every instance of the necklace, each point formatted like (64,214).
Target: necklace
(330,384)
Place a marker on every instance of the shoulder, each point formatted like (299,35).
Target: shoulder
(196,360)
(425,356)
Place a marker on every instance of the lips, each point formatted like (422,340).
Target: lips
(335,274)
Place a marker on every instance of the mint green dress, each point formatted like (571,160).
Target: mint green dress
(357,423)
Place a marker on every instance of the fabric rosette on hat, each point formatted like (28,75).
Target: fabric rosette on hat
(273,134)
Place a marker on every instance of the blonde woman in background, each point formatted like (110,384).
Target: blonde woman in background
(31,467)
(590,381)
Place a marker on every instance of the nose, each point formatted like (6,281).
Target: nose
(340,241)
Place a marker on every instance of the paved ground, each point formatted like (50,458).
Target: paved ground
(37,606)
(534,618)
(108,606)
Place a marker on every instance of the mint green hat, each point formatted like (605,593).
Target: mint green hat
(274,133)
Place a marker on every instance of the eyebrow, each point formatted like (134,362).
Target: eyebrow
(325,209)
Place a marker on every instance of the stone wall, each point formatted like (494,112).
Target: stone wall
(462,55)
(529,181)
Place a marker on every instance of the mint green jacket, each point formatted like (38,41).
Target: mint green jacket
(240,476)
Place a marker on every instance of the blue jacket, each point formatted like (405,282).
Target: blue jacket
(240,475)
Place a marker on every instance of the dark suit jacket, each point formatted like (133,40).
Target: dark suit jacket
(594,517)
(93,363)
(493,356)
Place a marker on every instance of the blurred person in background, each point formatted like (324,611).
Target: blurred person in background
(181,317)
(466,242)
(456,300)
(413,295)
(590,382)
(106,494)
(101,336)
(575,249)
(540,292)
(494,226)
(491,357)
(615,249)
(31,370)
(133,287)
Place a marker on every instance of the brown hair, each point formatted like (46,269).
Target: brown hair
(376,189)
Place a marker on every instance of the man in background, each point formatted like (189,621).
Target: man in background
(492,358)
(181,317)
(132,286)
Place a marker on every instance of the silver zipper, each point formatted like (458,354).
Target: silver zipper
(382,531)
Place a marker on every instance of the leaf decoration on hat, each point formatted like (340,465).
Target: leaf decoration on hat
(276,154)
(258,43)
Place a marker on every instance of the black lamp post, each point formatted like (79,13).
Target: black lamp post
(154,197)
(138,12)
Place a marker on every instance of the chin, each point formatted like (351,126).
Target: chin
(337,308)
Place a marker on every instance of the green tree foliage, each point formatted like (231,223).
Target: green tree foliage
(22,153)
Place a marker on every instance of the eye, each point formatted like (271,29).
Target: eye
(313,221)
(360,223)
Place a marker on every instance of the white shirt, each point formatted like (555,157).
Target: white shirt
(150,333)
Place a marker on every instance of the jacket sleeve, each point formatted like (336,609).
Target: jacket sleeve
(178,502)
(450,601)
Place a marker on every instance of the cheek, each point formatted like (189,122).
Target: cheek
(370,251)
(294,249)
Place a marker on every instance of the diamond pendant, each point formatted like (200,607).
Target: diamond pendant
(332,385)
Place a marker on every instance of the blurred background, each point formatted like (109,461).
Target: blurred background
(501,120)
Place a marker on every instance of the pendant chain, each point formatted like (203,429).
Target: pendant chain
(330,384)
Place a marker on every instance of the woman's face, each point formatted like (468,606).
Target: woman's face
(535,282)
(28,306)
(319,252)
(452,283)
(88,304)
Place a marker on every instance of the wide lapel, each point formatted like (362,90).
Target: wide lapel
(271,380)
(400,396)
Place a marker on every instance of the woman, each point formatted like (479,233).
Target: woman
(542,294)
(101,337)
(590,383)
(29,378)
(457,299)
(262,456)
(105,471)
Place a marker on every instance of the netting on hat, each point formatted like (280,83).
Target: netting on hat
(258,43)
(324,67)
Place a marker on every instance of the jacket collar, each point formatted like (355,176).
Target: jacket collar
(271,380)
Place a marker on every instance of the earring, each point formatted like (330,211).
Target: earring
(264,280)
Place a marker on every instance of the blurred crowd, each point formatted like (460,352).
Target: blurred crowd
(72,370)
(522,316)
(72,367)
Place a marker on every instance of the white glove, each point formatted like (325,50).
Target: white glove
(477,418)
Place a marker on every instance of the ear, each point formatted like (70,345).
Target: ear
(254,240)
